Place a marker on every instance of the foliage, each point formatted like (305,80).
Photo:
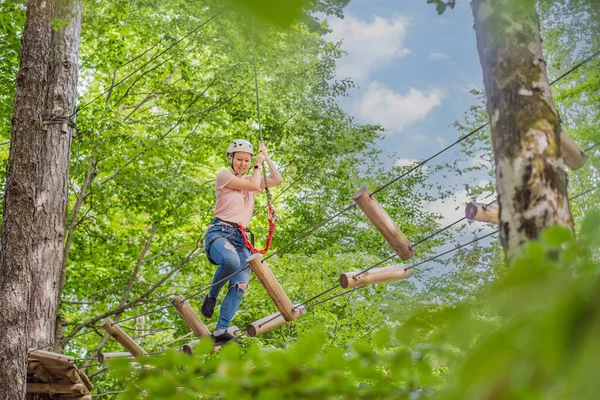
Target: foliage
(537,340)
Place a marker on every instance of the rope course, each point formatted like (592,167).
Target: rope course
(367,203)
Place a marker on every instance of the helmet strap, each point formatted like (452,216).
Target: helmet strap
(231,163)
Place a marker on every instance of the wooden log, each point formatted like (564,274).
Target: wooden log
(269,323)
(384,224)
(76,376)
(123,338)
(103,357)
(574,157)
(374,276)
(273,288)
(55,358)
(76,397)
(56,388)
(482,213)
(190,317)
(40,371)
(189,347)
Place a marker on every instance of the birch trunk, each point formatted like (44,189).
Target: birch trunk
(530,177)
(52,196)
(19,198)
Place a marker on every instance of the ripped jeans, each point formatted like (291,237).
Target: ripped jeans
(225,247)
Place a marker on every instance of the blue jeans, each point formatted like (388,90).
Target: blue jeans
(225,247)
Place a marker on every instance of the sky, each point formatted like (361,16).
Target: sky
(413,70)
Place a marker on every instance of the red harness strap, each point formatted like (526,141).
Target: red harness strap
(271,216)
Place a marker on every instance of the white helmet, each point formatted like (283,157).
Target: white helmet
(240,145)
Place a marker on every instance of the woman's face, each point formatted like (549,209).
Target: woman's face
(241,162)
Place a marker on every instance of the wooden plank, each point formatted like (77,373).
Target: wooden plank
(374,276)
(482,213)
(384,224)
(75,397)
(190,317)
(40,371)
(46,356)
(188,348)
(103,357)
(574,157)
(56,388)
(272,286)
(122,337)
(270,322)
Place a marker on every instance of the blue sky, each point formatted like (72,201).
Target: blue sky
(413,69)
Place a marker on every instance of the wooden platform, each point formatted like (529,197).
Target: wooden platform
(56,374)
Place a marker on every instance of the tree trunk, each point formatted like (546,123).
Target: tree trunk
(52,194)
(19,199)
(530,177)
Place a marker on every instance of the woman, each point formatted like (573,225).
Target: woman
(224,243)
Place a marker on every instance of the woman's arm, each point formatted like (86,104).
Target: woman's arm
(252,185)
(274,178)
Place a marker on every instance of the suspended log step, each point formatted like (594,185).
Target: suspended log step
(270,322)
(273,288)
(374,276)
(574,157)
(104,357)
(122,337)
(190,317)
(482,213)
(384,224)
(55,373)
(189,347)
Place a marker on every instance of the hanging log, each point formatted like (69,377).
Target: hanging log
(574,157)
(104,357)
(77,376)
(482,213)
(76,397)
(374,276)
(269,323)
(190,317)
(123,338)
(189,347)
(273,288)
(384,224)
(56,388)
(37,368)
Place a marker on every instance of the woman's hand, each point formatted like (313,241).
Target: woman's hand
(259,159)
(262,148)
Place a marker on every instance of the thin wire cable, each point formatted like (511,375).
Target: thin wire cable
(594,55)
(591,147)
(146,63)
(310,231)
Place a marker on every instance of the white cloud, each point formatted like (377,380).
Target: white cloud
(370,44)
(439,56)
(441,141)
(405,162)
(453,207)
(382,105)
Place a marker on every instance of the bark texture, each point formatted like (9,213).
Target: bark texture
(530,178)
(19,199)
(52,195)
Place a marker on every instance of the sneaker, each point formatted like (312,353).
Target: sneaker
(208,306)
(223,338)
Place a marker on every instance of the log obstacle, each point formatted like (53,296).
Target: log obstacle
(574,157)
(482,213)
(374,276)
(189,347)
(273,288)
(270,322)
(190,317)
(104,357)
(56,374)
(384,224)
(122,337)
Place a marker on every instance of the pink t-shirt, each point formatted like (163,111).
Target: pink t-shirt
(233,205)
